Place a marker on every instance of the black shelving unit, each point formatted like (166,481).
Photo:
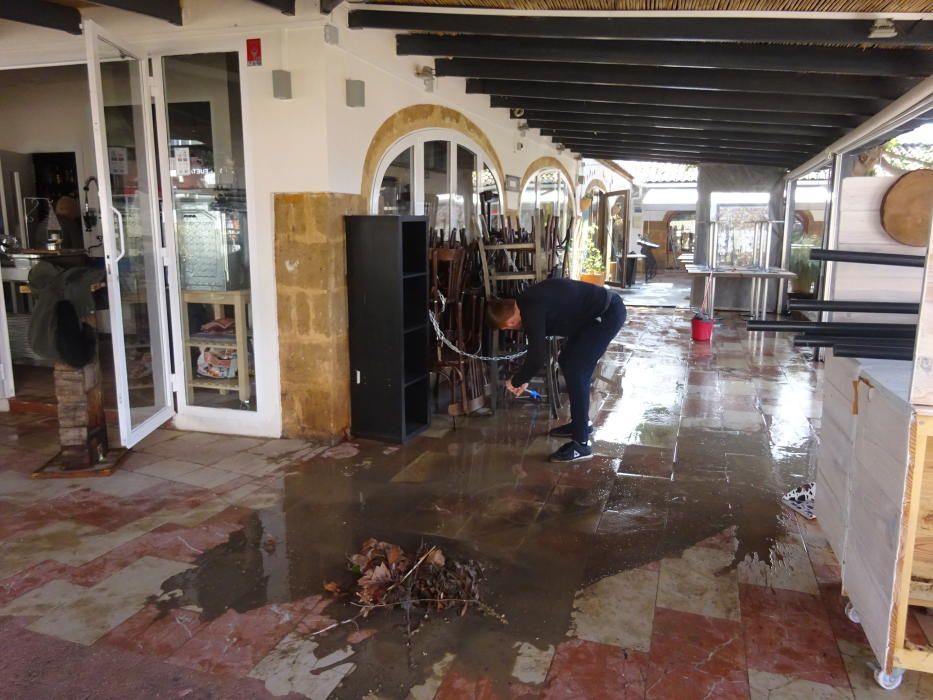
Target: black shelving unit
(387,289)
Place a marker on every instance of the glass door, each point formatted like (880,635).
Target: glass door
(121,115)
(617,233)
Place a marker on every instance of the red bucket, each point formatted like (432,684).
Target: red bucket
(702,330)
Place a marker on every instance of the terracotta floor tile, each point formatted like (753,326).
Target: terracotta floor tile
(235,642)
(788,633)
(696,656)
(153,633)
(583,669)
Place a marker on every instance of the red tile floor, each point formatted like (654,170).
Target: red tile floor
(664,568)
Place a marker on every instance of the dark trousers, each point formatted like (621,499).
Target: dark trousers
(578,361)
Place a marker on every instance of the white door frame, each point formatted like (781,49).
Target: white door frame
(129,434)
(233,421)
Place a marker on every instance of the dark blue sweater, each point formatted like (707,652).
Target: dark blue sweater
(558,307)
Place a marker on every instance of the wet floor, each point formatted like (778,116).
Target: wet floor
(664,567)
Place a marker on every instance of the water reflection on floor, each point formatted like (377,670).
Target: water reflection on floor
(661,568)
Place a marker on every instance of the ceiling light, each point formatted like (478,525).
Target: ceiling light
(882,29)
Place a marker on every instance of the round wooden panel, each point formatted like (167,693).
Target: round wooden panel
(907,208)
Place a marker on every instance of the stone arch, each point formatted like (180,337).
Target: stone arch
(416,118)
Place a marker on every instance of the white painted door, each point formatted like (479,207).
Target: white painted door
(121,112)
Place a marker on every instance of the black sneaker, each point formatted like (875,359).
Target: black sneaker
(566,430)
(573,451)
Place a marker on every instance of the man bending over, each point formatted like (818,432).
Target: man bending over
(589,317)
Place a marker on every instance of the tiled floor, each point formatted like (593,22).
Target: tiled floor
(664,568)
(670,288)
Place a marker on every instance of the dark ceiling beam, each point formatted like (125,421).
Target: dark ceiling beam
(713,115)
(629,140)
(633,154)
(686,161)
(624,128)
(286,7)
(674,150)
(42,14)
(745,81)
(615,152)
(906,63)
(767,30)
(167,10)
(677,98)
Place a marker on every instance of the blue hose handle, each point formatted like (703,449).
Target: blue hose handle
(533,394)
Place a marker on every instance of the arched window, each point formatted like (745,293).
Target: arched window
(438,173)
(549,191)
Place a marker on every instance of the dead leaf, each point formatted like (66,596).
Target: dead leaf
(332,587)
(436,557)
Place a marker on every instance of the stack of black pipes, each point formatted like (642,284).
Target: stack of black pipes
(889,341)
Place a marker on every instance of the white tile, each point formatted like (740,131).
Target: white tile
(699,582)
(790,570)
(108,604)
(170,469)
(247,464)
(123,483)
(617,610)
(43,599)
(428,689)
(771,686)
(293,667)
(206,477)
(532,663)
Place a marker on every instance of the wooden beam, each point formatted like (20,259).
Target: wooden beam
(818,122)
(286,7)
(677,98)
(796,149)
(42,14)
(606,147)
(694,79)
(622,128)
(167,10)
(665,158)
(757,30)
(682,158)
(907,63)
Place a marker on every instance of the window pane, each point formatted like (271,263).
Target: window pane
(489,199)
(205,138)
(395,189)
(527,205)
(436,190)
(463,204)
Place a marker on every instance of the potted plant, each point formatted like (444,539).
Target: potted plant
(593,266)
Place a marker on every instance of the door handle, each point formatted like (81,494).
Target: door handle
(121,235)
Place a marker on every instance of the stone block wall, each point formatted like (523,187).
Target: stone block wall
(310,264)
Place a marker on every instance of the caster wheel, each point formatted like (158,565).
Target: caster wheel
(889,681)
(852,614)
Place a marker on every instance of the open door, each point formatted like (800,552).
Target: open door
(121,112)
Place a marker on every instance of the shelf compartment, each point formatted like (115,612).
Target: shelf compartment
(414,247)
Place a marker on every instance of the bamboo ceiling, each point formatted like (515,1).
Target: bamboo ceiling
(683,5)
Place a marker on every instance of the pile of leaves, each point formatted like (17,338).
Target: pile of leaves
(390,577)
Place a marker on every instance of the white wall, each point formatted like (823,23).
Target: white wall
(310,143)
(391,84)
